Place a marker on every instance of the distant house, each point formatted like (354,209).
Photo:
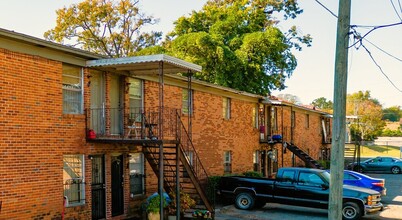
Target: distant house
(82,135)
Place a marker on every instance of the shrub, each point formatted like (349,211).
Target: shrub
(252,174)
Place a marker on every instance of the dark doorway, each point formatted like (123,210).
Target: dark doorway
(117,185)
(98,187)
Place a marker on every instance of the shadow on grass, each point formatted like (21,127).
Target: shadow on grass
(381,149)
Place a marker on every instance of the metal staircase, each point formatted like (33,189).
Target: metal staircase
(192,174)
(309,161)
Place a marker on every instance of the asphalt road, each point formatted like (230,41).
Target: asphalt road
(392,203)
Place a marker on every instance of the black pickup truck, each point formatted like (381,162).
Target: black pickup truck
(297,186)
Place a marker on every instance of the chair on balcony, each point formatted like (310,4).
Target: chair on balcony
(135,126)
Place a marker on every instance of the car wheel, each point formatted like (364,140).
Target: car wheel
(395,170)
(244,201)
(358,169)
(351,211)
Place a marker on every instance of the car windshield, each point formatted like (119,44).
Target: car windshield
(326,176)
(370,160)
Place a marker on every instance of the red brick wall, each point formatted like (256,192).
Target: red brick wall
(35,135)
(212,135)
(308,139)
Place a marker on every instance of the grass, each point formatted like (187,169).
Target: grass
(378,150)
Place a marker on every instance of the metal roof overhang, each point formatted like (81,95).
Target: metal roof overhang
(141,65)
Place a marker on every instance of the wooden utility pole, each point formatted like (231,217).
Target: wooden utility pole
(339,123)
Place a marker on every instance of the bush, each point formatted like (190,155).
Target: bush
(213,182)
(252,174)
(325,163)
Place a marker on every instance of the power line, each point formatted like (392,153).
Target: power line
(360,38)
(384,51)
(326,8)
(396,11)
(400,7)
(379,67)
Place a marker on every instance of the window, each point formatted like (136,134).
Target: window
(274,118)
(187,101)
(256,160)
(310,179)
(135,94)
(226,108)
(72,89)
(293,119)
(254,116)
(136,165)
(307,122)
(73,179)
(348,176)
(227,162)
(190,157)
(288,176)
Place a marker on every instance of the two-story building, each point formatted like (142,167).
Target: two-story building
(82,135)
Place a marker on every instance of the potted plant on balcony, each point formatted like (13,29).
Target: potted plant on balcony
(186,202)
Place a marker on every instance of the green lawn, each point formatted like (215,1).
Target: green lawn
(378,150)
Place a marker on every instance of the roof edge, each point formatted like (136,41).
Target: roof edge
(44,43)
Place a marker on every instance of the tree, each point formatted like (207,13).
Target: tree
(290,98)
(323,103)
(238,43)
(369,112)
(108,27)
(393,113)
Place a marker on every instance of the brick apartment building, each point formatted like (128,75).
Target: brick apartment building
(81,135)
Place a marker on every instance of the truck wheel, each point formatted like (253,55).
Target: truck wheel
(244,201)
(351,211)
(395,170)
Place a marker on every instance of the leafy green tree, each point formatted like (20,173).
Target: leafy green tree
(391,133)
(323,103)
(238,43)
(393,113)
(108,27)
(290,98)
(369,124)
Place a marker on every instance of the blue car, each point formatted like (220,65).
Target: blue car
(378,164)
(358,179)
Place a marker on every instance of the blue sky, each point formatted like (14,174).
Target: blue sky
(314,76)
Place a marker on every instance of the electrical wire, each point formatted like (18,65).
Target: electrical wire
(384,51)
(396,11)
(360,38)
(379,67)
(326,9)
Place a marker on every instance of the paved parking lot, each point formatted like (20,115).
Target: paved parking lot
(392,203)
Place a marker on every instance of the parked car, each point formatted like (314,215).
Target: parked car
(297,186)
(358,179)
(378,164)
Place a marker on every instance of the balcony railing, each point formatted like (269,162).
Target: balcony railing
(132,123)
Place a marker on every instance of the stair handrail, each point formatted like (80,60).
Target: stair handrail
(289,144)
(196,167)
(166,179)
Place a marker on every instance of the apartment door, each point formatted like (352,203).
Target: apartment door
(117,185)
(97,111)
(115,105)
(98,187)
